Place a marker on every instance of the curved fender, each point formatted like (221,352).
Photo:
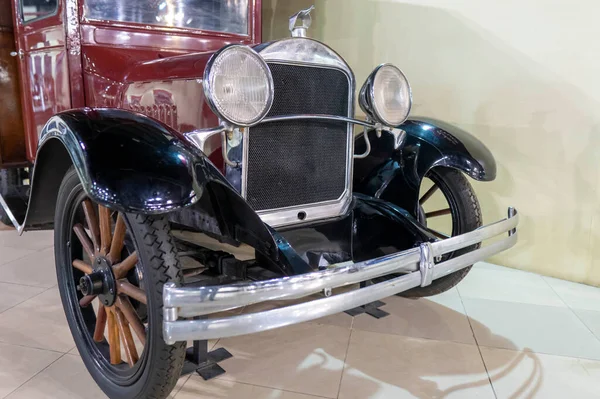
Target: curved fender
(396,175)
(132,163)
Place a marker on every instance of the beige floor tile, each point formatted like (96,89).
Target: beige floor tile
(35,269)
(8,254)
(339,319)
(13,294)
(35,240)
(38,323)
(306,358)
(509,286)
(591,319)
(541,329)
(441,317)
(180,383)
(491,266)
(390,366)
(197,388)
(67,378)
(18,364)
(530,375)
(4,227)
(576,296)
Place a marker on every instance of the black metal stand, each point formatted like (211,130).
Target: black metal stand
(372,309)
(199,360)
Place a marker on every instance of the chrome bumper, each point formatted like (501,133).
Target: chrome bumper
(418,264)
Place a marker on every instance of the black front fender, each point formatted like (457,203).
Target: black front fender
(131,163)
(396,175)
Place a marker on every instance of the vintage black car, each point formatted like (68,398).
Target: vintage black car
(160,139)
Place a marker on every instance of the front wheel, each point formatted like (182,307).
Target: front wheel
(111,269)
(448,207)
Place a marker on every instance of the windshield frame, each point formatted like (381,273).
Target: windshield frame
(253,24)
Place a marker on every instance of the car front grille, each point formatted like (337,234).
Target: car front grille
(300,162)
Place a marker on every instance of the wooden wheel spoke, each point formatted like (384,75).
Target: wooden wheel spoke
(428,194)
(437,213)
(118,239)
(105,229)
(124,267)
(124,287)
(81,265)
(84,239)
(92,221)
(113,338)
(132,318)
(86,300)
(100,324)
(438,234)
(127,339)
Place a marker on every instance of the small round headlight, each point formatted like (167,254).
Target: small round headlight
(238,85)
(386,95)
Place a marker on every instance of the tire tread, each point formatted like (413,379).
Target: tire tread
(165,265)
(461,189)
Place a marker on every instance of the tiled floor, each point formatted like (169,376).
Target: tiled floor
(503,333)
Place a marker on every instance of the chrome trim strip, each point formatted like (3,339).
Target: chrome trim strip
(315,211)
(200,138)
(399,134)
(474,237)
(190,302)
(245,140)
(333,118)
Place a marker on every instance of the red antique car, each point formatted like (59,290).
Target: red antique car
(159,137)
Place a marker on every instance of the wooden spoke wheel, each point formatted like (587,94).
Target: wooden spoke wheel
(111,269)
(448,207)
(105,278)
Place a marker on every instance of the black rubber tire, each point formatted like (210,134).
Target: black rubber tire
(159,367)
(466,216)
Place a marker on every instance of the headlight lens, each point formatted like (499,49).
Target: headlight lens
(386,95)
(238,85)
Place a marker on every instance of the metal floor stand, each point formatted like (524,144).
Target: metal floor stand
(372,309)
(199,360)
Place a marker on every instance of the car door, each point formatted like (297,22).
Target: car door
(43,63)
(12,139)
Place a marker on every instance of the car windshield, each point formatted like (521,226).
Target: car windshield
(216,15)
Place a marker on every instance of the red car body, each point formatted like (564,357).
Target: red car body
(65,60)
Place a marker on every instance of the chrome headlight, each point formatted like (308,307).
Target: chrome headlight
(238,85)
(386,96)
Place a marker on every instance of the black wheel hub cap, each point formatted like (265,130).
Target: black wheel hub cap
(101,282)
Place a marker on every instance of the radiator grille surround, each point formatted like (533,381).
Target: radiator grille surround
(302,163)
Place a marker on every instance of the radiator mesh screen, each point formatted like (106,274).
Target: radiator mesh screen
(300,162)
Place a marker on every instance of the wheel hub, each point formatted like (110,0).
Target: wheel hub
(101,282)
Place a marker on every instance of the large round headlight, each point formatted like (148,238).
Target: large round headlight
(386,95)
(238,85)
